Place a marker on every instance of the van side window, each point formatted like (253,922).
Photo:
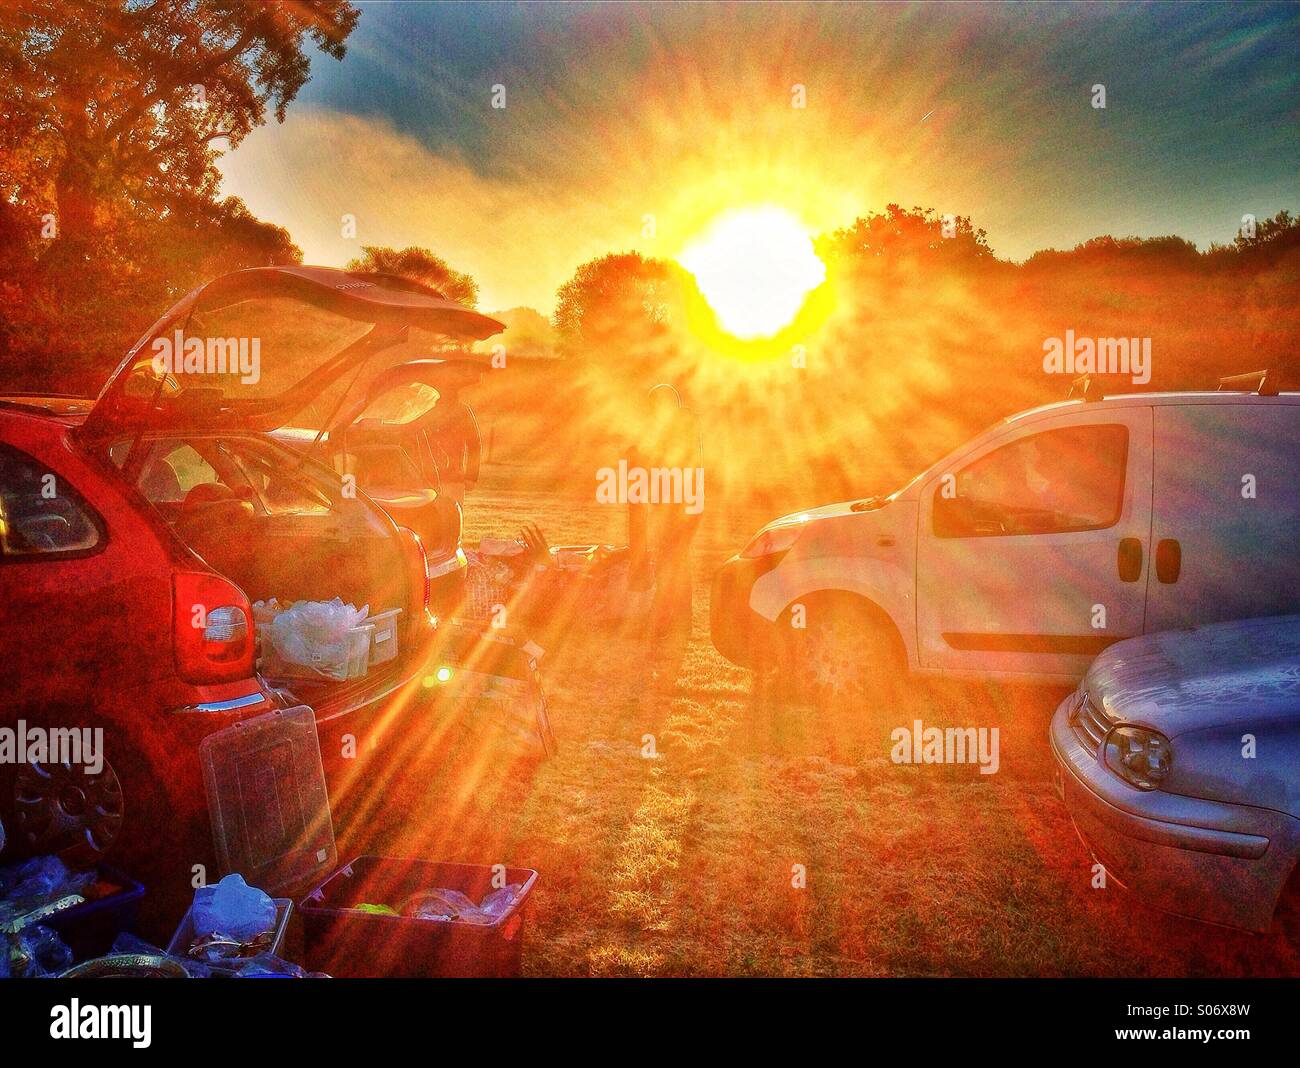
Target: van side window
(1058,481)
(40,514)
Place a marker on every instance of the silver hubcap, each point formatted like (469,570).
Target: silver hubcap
(60,806)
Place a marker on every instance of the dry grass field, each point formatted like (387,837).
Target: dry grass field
(682,864)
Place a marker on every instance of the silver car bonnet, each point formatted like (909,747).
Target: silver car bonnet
(1182,680)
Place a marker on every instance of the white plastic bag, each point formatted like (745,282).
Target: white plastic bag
(318,635)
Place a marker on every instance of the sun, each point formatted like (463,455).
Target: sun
(754,266)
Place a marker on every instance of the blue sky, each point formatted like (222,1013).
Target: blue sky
(616,113)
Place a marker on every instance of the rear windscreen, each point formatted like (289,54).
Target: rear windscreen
(259,350)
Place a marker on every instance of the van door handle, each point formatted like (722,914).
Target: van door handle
(1169,560)
(1130,559)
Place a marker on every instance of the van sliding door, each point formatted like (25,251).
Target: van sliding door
(1226,516)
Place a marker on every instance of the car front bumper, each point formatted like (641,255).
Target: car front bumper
(738,632)
(1223,863)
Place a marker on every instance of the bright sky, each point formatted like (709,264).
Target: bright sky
(636,127)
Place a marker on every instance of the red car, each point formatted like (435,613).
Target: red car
(137,530)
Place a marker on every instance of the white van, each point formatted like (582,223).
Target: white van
(1026,552)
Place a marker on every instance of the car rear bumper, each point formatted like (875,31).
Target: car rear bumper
(738,632)
(447,583)
(1212,861)
(239,707)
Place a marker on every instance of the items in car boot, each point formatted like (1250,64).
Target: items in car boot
(316,639)
(383,639)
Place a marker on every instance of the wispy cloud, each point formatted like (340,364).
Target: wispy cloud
(616,113)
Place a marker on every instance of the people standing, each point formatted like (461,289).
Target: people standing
(661,531)
(456,443)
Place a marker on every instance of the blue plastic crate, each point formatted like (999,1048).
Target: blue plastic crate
(180,943)
(90,928)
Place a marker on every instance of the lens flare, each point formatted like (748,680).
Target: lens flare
(754,266)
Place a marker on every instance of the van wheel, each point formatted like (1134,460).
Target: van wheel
(845,651)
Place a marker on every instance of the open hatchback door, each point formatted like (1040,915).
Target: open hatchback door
(391,438)
(406,394)
(258,349)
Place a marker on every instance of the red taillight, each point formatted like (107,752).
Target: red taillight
(212,628)
(417,566)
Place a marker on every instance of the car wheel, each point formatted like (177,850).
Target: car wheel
(125,808)
(66,809)
(60,807)
(843,652)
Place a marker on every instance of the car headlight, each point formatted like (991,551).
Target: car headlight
(1139,756)
(767,542)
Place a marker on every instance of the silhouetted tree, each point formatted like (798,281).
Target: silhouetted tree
(420,265)
(529,332)
(622,298)
(113,103)
(112,116)
(1122,252)
(1281,227)
(899,232)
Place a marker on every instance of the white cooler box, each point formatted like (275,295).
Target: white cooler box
(383,640)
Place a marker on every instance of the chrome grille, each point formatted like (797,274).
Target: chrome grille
(1090,723)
